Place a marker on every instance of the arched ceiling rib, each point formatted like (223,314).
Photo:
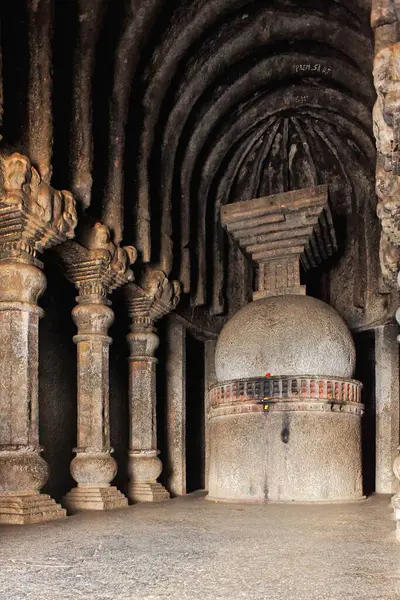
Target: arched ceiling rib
(206,85)
(180,106)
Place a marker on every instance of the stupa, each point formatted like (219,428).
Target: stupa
(285,415)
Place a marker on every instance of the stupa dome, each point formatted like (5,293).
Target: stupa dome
(285,335)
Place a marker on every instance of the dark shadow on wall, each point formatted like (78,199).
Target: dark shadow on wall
(195,426)
(365,372)
(57,378)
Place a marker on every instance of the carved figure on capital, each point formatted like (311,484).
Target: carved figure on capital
(96,265)
(152,296)
(33,215)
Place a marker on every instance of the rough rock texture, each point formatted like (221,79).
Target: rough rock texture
(285,440)
(282,457)
(290,335)
(190,549)
(175,410)
(387,407)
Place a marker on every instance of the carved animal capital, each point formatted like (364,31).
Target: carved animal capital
(33,215)
(152,297)
(96,265)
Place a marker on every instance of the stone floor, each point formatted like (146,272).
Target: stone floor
(190,548)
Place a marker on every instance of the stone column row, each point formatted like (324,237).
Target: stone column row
(33,217)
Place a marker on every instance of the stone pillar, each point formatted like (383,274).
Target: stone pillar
(386,119)
(387,407)
(148,301)
(176,407)
(210,378)
(33,217)
(96,267)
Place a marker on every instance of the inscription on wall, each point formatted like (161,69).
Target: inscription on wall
(317,67)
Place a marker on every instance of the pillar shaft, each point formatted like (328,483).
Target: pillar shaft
(22,470)
(93,377)
(210,378)
(385,24)
(387,407)
(144,465)
(142,392)
(176,407)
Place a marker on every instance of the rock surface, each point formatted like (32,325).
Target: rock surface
(293,335)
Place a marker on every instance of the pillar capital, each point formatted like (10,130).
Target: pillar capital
(96,265)
(150,298)
(33,215)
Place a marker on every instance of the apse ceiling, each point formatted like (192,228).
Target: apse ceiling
(166,110)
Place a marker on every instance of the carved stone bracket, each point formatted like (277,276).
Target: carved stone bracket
(148,300)
(152,297)
(97,267)
(33,217)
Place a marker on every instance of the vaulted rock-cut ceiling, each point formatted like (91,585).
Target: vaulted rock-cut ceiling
(157,113)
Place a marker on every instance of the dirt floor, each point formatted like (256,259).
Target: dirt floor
(190,548)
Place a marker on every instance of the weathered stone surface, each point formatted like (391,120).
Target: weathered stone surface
(385,20)
(210,378)
(33,217)
(148,300)
(277,230)
(387,407)
(175,410)
(287,335)
(96,267)
(203,550)
(286,440)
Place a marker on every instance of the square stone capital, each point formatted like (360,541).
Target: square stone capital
(279,231)
(96,265)
(151,297)
(33,215)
